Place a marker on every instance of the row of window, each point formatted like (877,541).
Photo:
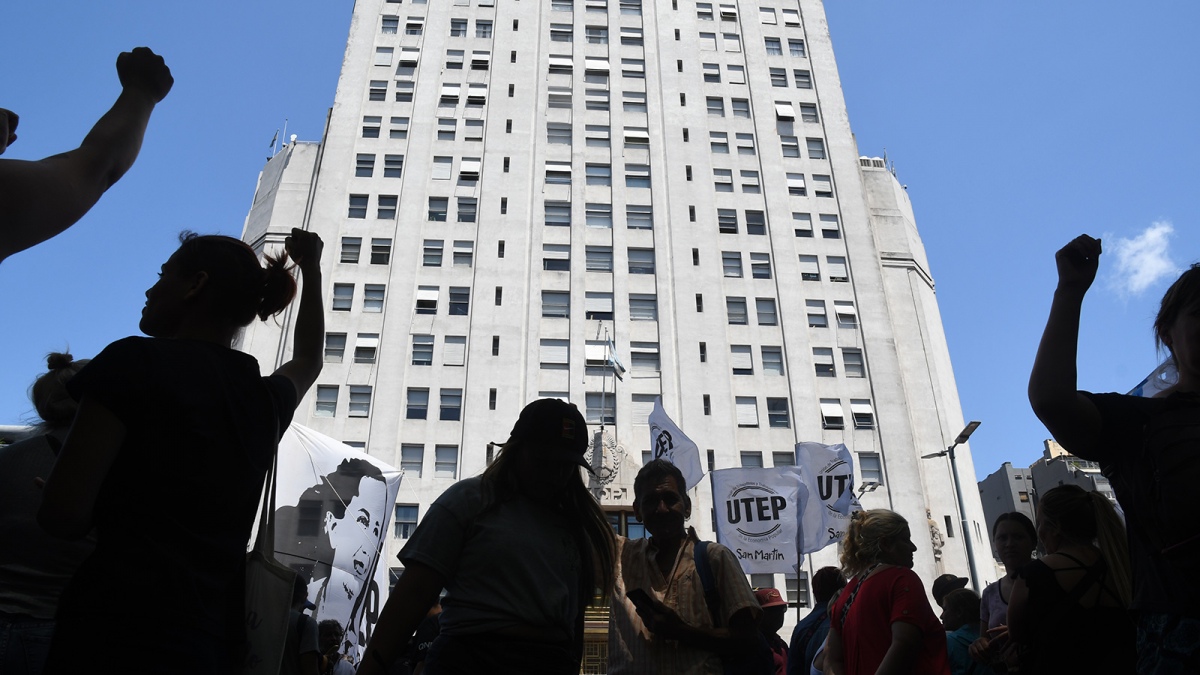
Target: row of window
(557,258)
(416,405)
(560,173)
(343,297)
(631,36)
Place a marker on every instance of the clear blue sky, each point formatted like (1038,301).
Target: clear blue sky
(1016,126)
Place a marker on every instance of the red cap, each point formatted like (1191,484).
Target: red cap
(769,597)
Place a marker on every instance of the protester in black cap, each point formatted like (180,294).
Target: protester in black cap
(946,583)
(520,549)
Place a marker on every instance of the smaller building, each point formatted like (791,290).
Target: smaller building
(1006,490)
(1059,467)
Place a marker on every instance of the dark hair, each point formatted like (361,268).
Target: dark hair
(960,606)
(49,392)
(1182,296)
(1020,519)
(826,582)
(344,483)
(654,471)
(594,538)
(1085,517)
(238,287)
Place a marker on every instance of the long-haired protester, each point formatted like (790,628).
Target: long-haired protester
(1015,538)
(1069,606)
(521,550)
(882,623)
(166,460)
(34,567)
(1149,448)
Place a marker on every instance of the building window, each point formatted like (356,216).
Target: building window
(809,269)
(406,519)
(740,107)
(451,405)
(556,304)
(731,264)
(846,316)
(790,146)
(832,416)
(598,174)
(387,207)
(431,253)
(556,257)
(852,363)
(445,461)
(412,459)
(803,78)
(558,173)
(767,314)
(823,362)
(772,360)
(774,46)
(327,395)
(358,206)
(416,404)
(373,297)
(398,128)
(351,247)
(561,32)
(554,354)
(699,302)
(712,72)
(343,297)
(727,221)
(371,125)
(718,142)
(360,401)
(816,150)
(777,413)
(643,356)
(746,408)
(454,350)
(427,299)
(803,224)
(393,166)
(422,350)
(438,208)
(483,29)
(716,106)
(383,56)
(598,306)
(364,166)
(778,77)
(366,347)
(817,318)
(796,185)
(643,307)
(741,359)
(596,35)
(641,261)
(639,216)
(601,408)
(736,309)
(863,413)
(599,259)
(808,113)
(460,300)
(753,459)
(829,226)
(797,589)
(335,347)
(756,222)
(464,253)
(870,468)
(796,47)
(558,133)
(745,145)
(837,268)
(760,265)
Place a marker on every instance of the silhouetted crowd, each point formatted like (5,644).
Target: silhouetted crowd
(119,552)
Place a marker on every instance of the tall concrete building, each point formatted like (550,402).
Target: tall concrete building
(503,187)
(1006,490)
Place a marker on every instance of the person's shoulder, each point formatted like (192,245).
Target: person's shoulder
(463,497)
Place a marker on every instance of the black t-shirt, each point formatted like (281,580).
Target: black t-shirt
(1125,459)
(176,508)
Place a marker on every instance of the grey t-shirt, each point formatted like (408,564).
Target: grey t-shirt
(517,565)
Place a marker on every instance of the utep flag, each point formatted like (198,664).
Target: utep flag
(670,443)
(757,514)
(333,504)
(1162,377)
(827,500)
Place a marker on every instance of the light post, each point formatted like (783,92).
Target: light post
(962,507)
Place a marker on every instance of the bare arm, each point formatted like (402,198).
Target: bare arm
(662,620)
(902,654)
(1069,416)
(835,661)
(409,602)
(83,463)
(41,199)
(309,334)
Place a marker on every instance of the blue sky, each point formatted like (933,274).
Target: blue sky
(1016,126)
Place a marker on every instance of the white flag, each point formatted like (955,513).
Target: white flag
(827,497)
(617,367)
(1162,377)
(668,442)
(757,514)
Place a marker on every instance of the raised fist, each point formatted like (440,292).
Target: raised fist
(143,70)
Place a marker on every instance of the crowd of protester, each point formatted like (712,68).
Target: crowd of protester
(95,545)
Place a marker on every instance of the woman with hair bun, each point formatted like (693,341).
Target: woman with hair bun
(167,456)
(882,623)
(1069,607)
(34,567)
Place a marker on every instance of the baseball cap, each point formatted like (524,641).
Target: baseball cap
(769,597)
(556,428)
(946,583)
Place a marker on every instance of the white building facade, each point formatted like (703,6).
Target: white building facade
(503,186)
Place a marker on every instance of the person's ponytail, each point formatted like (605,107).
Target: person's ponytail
(279,286)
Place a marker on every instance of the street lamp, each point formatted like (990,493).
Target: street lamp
(962,507)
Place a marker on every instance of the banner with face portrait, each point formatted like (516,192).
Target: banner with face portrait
(333,507)
(757,514)
(827,472)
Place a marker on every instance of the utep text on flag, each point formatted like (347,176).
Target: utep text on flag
(827,497)
(757,513)
(667,441)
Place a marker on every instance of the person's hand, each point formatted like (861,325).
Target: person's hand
(144,71)
(661,620)
(8,128)
(304,248)
(980,650)
(1077,263)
